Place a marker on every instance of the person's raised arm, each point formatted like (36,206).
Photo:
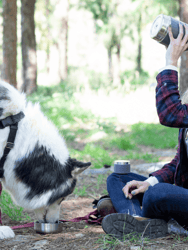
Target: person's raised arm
(171,111)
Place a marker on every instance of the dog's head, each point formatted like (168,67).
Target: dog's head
(78,167)
(11,101)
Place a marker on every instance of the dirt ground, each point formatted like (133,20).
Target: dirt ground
(79,235)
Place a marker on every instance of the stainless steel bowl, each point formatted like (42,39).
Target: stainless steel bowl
(47,228)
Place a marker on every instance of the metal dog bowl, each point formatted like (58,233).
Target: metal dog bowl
(47,228)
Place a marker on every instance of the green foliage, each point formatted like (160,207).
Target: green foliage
(13,211)
(152,8)
(101,10)
(82,191)
(124,142)
(154,135)
(99,156)
(109,242)
(74,122)
(167,7)
(100,179)
(97,80)
(58,105)
(134,77)
(133,155)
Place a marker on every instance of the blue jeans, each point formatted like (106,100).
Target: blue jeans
(162,201)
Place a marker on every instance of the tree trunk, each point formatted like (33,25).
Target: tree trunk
(183,12)
(48,36)
(117,79)
(139,56)
(110,70)
(29,57)
(63,38)
(9,66)
(117,64)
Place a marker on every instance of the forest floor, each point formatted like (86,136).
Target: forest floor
(79,235)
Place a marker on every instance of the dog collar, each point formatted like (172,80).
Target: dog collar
(12,122)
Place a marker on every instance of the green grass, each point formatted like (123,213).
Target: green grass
(82,191)
(110,242)
(154,135)
(99,155)
(123,142)
(9,208)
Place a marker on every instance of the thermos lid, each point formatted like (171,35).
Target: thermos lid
(121,162)
(159,28)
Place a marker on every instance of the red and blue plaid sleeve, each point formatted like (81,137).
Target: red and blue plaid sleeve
(171,111)
(167,172)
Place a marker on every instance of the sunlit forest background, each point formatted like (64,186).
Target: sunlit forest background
(92,65)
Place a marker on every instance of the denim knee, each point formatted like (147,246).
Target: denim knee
(155,194)
(153,198)
(114,177)
(110,179)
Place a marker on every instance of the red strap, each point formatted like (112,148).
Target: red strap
(87,218)
(24,226)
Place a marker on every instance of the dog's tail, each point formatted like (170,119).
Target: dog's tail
(6,232)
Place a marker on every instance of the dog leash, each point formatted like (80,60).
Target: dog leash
(87,218)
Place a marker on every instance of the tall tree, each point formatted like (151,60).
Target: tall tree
(113,24)
(63,39)
(47,2)
(183,13)
(9,41)
(29,57)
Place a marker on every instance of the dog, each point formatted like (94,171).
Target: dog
(38,171)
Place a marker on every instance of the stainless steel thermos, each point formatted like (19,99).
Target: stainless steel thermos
(122,167)
(159,29)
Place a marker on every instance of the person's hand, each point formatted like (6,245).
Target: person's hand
(177,46)
(134,188)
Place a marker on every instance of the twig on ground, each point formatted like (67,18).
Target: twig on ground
(142,239)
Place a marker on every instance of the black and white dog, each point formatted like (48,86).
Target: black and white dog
(38,171)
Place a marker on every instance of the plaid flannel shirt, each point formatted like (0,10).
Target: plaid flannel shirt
(172,113)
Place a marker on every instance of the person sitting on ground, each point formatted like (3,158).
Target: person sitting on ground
(159,198)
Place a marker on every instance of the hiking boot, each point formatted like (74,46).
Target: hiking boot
(105,206)
(119,225)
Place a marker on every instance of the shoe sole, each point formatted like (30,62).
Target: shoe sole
(120,225)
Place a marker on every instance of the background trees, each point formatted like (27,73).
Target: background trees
(29,59)
(118,26)
(9,42)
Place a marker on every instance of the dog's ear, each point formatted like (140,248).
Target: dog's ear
(78,167)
